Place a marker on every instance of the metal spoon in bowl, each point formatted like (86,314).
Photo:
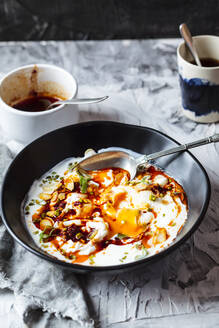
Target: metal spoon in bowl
(186,35)
(77,101)
(125,161)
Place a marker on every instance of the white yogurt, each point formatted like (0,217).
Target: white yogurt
(165,207)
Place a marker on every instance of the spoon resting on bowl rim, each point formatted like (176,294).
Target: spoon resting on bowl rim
(127,162)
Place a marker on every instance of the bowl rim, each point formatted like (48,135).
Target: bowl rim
(85,268)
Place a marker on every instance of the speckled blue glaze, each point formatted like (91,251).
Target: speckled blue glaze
(199,96)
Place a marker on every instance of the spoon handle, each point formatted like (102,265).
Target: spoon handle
(145,158)
(78,101)
(184,31)
(83,100)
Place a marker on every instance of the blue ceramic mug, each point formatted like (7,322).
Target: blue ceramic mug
(200,85)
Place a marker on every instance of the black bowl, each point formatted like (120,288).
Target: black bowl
(48,150)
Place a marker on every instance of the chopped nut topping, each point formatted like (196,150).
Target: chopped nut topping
(51,213)
(69,183)
(61,196)
(54,198)
(46,223)
(45,196)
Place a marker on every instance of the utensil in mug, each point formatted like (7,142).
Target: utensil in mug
(186,35)
(199,85)
(78,101)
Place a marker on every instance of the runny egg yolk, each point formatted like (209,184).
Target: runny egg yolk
(121,218)
(119,213)
(126,222)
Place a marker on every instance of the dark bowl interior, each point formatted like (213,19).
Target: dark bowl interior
(47,151)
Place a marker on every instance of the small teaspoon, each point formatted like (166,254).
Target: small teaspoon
(125,161)
(186,35)
(78,101)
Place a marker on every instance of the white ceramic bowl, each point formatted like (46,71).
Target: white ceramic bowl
(26,126)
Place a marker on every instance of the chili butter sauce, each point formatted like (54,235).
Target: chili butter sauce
(38,103)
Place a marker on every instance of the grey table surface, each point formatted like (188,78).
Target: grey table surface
(141,79)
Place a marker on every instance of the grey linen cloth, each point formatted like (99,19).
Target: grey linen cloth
(44,295)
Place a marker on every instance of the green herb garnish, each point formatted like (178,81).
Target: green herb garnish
(93,234)
(145,180)
(121,236)
(63,252)
(152,197)
(78,235)
(44,235)
(84,178)
(36,220)
(91,258)
(144,252)
(83,183)
(57,212)
(133,182)
(123,258)
(71,166)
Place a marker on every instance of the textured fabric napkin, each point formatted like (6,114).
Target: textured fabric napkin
(45,295)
